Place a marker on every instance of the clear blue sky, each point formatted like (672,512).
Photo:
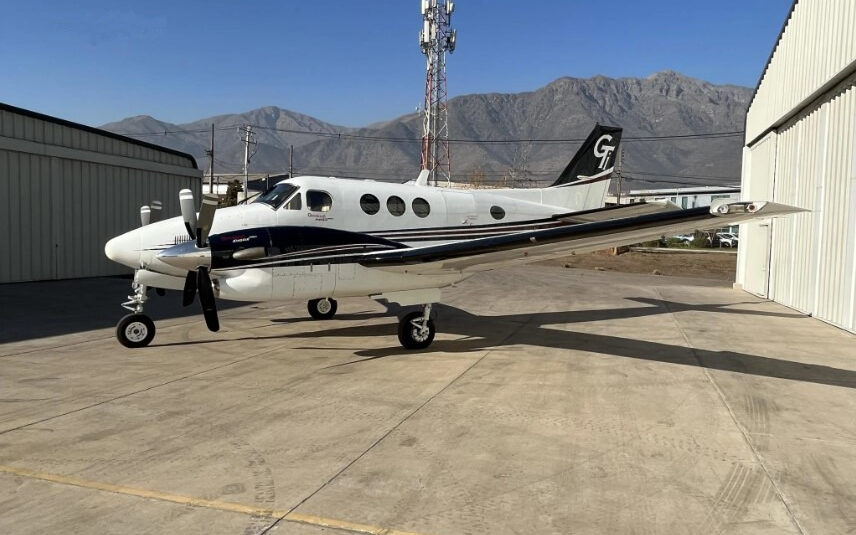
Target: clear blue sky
(351,63)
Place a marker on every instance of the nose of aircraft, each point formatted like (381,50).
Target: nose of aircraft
(125,249)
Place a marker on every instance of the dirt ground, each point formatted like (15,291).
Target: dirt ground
(718,266)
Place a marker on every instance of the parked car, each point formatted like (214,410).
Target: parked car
(727,239)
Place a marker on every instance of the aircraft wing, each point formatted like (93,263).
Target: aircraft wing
(483,254)
(622,210)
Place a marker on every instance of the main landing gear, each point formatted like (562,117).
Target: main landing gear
(322,309)
(416,330)
(136,329)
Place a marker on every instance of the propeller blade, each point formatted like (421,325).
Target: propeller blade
(189,289)
(206,218)
(188,211)
(156,208)
(206,297)
(145,215)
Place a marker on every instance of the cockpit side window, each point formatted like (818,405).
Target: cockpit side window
(276,195)
(294,203)
(318,201)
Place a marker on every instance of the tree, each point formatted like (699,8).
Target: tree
(231,198)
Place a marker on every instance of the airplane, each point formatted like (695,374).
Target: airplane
(320,238)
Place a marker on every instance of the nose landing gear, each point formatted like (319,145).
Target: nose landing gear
(136,329)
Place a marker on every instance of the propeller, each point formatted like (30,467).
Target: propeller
(149,213)
(197,254)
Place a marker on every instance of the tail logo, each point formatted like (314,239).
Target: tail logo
(603,151)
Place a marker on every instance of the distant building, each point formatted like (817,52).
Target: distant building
(801,150)
(66,188)
(689,197)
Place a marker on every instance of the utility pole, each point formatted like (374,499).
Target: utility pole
(210,154)
(291,161)
(435,39)
(247,139)
(620,161)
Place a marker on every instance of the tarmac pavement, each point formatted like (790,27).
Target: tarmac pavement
(552,401)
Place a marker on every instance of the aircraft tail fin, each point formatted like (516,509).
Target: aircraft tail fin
(595,160)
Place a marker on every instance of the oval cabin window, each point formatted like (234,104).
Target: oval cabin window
(421,207)
(396,205)
(497,212)
(370,204)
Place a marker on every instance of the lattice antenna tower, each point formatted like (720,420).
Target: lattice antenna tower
(435,39)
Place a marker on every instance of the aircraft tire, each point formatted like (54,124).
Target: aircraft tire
(409,335)
(135,330)
(320,310)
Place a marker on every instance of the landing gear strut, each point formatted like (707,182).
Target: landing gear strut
(136,329)
(416,330)
(322,309)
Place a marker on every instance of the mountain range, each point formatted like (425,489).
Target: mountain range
(663,104)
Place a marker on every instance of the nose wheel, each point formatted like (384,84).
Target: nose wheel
(135,330)
(416,330)
(322,309)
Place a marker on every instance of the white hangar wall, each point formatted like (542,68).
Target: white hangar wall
(65,189)
(801,150)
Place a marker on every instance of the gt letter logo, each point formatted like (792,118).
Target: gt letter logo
(603,151)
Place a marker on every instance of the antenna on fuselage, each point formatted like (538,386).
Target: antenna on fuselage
(422,179)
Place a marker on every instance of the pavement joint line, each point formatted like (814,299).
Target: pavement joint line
(192,501)
(743,432)
(392,429)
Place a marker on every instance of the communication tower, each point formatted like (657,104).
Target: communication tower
(435,39)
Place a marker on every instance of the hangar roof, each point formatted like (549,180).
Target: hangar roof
(98,131)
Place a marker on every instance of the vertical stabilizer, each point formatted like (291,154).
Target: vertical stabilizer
(595,160)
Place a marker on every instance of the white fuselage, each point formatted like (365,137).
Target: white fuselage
(410,213)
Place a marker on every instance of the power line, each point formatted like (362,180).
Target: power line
(394,139)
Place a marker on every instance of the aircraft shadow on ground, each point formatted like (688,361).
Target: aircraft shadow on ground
(485,332)
(53,308)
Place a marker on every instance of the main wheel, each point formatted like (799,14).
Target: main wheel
(135,330)
(412,335)
(322,309)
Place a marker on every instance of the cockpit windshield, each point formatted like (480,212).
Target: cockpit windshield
(277,195)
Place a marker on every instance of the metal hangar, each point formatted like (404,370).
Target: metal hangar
(66,188)
(801,150)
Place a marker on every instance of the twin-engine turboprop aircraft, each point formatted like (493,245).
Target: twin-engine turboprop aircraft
(319,238)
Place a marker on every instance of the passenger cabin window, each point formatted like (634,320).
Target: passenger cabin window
(421,207)
(497,212)
(276,195)
(318,201)
(294,203)
(396,205)
(370,204)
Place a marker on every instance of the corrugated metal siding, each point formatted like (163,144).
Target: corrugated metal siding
(57,213)
(15,125)
(817,44)
(813,255)
(835,280)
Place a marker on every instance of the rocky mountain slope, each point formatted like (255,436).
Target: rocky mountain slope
(663,104)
